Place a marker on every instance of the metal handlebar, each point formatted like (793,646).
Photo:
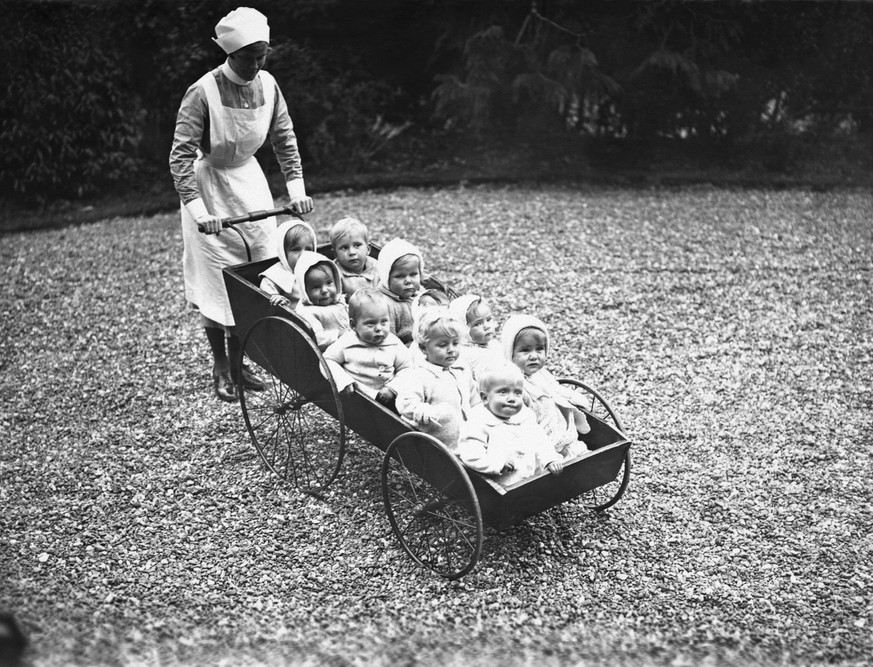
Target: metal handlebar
(254,216)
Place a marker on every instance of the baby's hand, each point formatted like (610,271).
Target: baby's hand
(428,414)
(348,390)
(279,300)
(385,396)
(509,466)
(431,419)
(555,467)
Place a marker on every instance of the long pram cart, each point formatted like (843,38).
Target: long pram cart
(435,505)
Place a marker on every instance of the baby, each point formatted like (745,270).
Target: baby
(400,268)
(368,356)
(322,304)
(502,436)
(481,349)
(526,343)
(292,238)
(351,245)
(437,395)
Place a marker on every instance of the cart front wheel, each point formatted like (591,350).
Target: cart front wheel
(297,424)
(593,402)
(431,505)
(607,495)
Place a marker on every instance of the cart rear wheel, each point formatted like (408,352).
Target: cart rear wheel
(608,494)
(297,424)
(431,505)
(593,402)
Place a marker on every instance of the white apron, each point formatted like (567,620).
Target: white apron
(231,183)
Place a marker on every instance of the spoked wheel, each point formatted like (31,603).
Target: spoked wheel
(608,494)
(431,505)
(296,424)
(593,402)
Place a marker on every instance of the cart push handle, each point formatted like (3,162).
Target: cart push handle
(254,216)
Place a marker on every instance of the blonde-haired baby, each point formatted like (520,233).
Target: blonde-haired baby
(292,238)
(481,347)
(369,356)
(350,240)
(437,394)
(525,341)
(502,436)
(322,305)
(400,267)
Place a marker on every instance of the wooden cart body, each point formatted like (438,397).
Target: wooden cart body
(607,460)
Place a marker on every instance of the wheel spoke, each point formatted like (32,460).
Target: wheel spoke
(300,440)
(434,526)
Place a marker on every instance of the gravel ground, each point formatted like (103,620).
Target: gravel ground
(730,329)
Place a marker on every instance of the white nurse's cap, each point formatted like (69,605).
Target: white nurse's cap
(243,26)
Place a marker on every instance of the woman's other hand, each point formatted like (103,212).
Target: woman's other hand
(301,205)
(209,224)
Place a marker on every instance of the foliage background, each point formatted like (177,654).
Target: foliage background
(91,88)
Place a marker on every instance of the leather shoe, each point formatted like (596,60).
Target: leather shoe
(251,381)
(224,387)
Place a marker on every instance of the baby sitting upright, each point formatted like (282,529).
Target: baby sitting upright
(400,267)
(292,238)
(350,241)
(368,356)
(525,342)
(480,348)
(502,436)
(436,394)
(323,306)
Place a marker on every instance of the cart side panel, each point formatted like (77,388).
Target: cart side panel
(422,459)
(372,421)
(294,364)
(544,491)
(247,301)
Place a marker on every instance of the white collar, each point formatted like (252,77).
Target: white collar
(437,369)
(233,76)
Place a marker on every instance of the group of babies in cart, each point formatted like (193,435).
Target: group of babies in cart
(437,361)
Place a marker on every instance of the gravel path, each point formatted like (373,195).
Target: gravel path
(732,331)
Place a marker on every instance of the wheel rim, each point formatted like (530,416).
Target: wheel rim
(431,505)
(298,430)
(590,400)
(607,495)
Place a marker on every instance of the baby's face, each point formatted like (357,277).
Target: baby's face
(481,323)
(529,351)
(404,280)
(320,286)
(373,324)
(297,246)
(442,350)
(352,251)
(504,397)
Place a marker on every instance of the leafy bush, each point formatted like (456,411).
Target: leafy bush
(339,114)
(69,119)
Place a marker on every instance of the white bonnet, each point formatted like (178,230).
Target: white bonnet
(243,26)
(459,307)
(391,252)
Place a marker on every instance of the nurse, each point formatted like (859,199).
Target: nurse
(223,119)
